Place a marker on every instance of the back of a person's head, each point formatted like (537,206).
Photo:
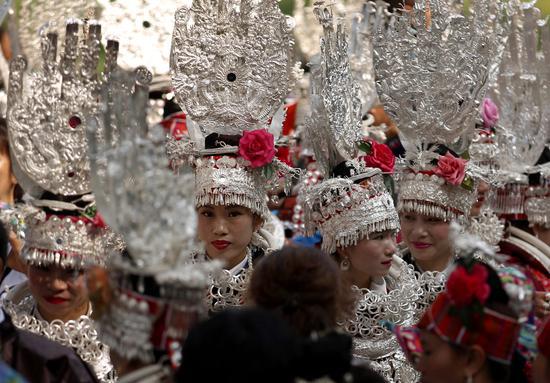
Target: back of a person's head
(304,286)
(255,345)
(247,345)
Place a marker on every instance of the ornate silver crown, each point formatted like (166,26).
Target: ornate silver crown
(131,179)
(231,68)
(231,63)
(343,211)
(70,242)
(47,109)
(334,127)
(365,25)
(522,93)
(432,70)
(32,16)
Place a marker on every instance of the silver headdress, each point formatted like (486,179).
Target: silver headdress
(373,18)
(308,31)
(231,70)
(432,67)
(342,210)
(46,109)
(522,93)
(46,129)
(32,16)
(155,285)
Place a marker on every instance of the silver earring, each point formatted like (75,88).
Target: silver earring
(344,265)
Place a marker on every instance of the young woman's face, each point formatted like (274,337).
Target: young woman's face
(60,293)
(427,239)
(226,231)
(372,257)
(440,362)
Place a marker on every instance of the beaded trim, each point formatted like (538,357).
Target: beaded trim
(430,195)
(79,334)
(537,207)
(345,212)
(63,242)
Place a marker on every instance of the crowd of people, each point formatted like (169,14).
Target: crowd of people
(358,194)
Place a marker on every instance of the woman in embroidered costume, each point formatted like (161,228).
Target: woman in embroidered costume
(64,233)
(233,119)
(455,338)
(435,111)
(354,213)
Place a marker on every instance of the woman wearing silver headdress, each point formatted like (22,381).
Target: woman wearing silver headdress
(354,213)
(232,98)
(65,235)
(435,110)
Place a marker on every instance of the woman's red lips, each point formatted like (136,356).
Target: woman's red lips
(421,245)
(56,300)
(220,245)
(387,263)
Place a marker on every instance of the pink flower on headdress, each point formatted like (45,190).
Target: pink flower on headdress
(380,157)
(257,147)
(465,287)
(489,113)
(451,168)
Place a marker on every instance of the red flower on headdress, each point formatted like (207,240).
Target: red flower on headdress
(98,221)
(257,147)
(465,287)
(379,156)
(451,168)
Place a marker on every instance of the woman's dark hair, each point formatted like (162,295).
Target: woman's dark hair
(5,149)
(304,286)
(255,345)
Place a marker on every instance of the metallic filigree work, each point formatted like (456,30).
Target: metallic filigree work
(373,18)
(430,195)
(231,63)
(431,79)
(334,127)
(46,110)
(132,182)
(32,16)
(129,170)
(227,289)
(70,242)
(79,334)
(488,227)
(345,212)
(521,93)
(372,341)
